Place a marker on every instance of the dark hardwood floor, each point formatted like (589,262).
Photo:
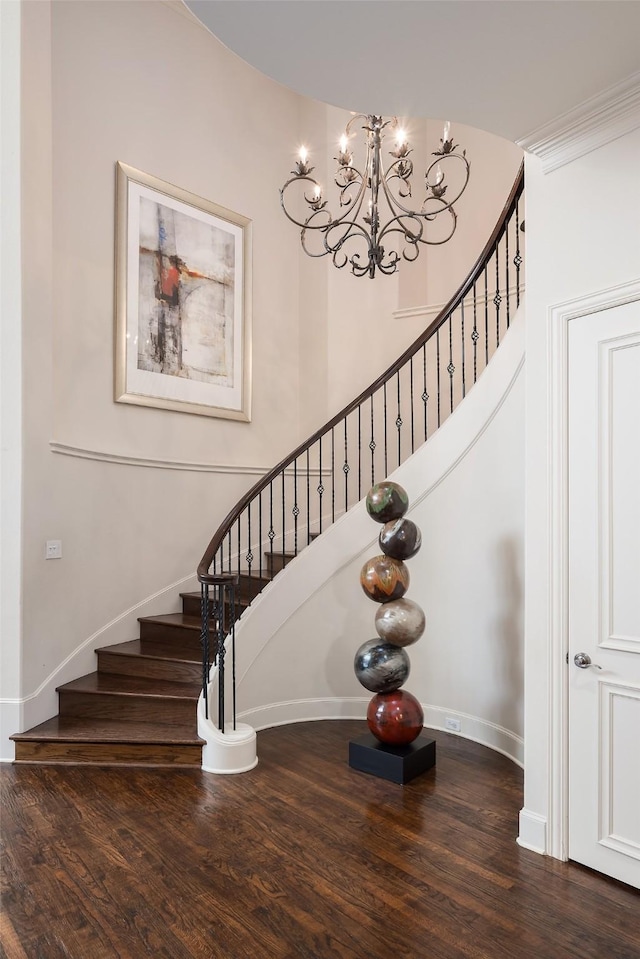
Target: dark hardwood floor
(302,858)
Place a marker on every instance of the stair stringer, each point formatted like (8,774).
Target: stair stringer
(329,569)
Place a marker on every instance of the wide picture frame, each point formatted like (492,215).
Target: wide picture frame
(183,300)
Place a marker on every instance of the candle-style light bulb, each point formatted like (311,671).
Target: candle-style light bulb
(401,137)
(303,155)
(344,143)
(317,192)
(446,132)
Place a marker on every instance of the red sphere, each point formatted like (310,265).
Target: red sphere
(395,718)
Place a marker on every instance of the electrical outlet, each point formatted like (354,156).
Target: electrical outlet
(453,724)
(53,549)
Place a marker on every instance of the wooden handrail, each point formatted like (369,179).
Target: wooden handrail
(204,575)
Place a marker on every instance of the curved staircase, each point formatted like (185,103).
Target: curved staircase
(140,706)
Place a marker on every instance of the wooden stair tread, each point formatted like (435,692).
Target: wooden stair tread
(115,684)
(174,619)
(75,729)
(135,648)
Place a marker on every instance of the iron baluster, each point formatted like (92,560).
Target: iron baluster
(295,510)
(308,500)
(517,260)
(272,533)
(438,370)
(260,538)
(425,395)
(346,467)
(249,556)
(486,316)
(220,656)
(359,452)
(232,620)
(333,476)
(411,403)
(372,445)
(399,419)
(384,395)
(284,520)
(506,262)
(451,368)
(464,391)
(475,336)
(320,485)
(497,298)
(204,643)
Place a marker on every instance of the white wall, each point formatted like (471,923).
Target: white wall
(297,642)
(577,243)
(144,83)
(10,372)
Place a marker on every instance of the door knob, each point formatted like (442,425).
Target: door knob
(583,661)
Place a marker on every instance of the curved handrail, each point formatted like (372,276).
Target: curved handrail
(509,216)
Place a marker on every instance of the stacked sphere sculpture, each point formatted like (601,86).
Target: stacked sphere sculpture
(382,665)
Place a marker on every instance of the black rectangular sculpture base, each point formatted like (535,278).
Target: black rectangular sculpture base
(398,764)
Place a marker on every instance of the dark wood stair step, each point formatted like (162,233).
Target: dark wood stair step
(112,696)
(69,739)
(191,601)
(130,659)
(178,629)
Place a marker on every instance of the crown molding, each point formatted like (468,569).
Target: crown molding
(590,125)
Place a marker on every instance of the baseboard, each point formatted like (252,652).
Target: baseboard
(533,832)
(355,707)
(11,719)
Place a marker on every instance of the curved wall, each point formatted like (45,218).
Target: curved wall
(140,491)
(466,486)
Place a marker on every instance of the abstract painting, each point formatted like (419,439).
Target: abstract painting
(183,295)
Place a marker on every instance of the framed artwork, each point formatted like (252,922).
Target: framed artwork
(183,300)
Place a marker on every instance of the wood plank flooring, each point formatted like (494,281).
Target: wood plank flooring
(302,858)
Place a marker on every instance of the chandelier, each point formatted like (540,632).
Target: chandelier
(375,227)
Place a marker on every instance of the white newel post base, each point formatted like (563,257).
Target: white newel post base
(233,751)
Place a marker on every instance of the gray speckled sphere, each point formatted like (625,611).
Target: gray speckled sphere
(400,622)
(381,667)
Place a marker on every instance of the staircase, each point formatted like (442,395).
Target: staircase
(139,707)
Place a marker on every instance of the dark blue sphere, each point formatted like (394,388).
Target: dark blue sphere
(381,667)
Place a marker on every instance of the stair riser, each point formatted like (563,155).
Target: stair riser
(251,586)
(191,605)
(102,754)
(276,563)
(129,707)
(177,637)
(149,668)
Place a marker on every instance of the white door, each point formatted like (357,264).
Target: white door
(604,591)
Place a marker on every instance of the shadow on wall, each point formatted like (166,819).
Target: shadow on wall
(509,629)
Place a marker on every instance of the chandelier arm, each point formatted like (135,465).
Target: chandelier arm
(395,225)
(396,204)
(454,156)
(421,237)
(306,223)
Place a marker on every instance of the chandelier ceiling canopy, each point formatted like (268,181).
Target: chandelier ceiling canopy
(376,223)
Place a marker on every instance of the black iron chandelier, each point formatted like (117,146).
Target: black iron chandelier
(359,234)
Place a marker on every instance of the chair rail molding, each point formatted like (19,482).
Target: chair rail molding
(123,459)
(593,123)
